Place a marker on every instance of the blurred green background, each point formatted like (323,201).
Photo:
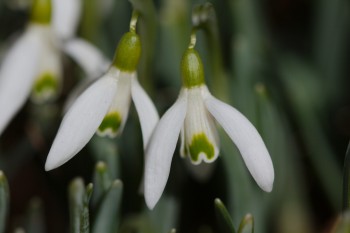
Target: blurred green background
(283,63)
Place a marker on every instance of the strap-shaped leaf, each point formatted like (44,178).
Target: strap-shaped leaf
(79,198)
(4,201)
(102,182)
(223,217)
(247,224)
(106,219)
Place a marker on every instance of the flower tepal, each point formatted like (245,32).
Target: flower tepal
(193,115)
(32,67)
(104,106)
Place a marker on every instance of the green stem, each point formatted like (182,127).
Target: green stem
(133,21)
(346,180)
(193,39)
(148,29)
(204,17)
(4,201)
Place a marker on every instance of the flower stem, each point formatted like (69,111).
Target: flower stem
(133,21)
(193,39)
(204,17)
(346,180)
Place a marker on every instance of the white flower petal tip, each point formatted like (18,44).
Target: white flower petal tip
(146,110)
(247,140)
(161,148)
(66,14)
(81,121)
(17,73)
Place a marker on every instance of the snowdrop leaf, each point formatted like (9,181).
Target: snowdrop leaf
(247,224)
(146,110)
(79,198)
(17,74)
(247,140)
(65,18)
(161,149)
(4,201)
(81,121)
(107,215)
(102,182)
(223,217)
(87,56)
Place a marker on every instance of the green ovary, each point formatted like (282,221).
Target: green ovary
(45,83)
(201,144)
(112,122)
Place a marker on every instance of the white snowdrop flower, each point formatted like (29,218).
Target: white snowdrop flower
(32,67)
(103,107)
(192,117)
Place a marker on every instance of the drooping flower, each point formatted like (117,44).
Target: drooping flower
(32,67)
(104,106)
(192,117)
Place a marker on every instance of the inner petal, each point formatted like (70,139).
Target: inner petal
(114,121)
(201,147)
(47,84)
(200,135)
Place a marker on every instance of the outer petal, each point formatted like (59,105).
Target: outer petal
(66,14)
(81,121)
(17,73)
(247,140)
(87,56)
(161,149)
(146,110)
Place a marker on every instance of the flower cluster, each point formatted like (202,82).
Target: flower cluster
(32,67)
(34,61)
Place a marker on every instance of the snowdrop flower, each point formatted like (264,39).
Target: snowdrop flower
(192,116)
(32,67)
(104,106)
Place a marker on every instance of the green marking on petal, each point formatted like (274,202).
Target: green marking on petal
(201,144)
(45,86)
(111,123)
(41,12)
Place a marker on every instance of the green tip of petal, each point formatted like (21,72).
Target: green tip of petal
(45,87)
(110,125)
(128,52)
(200,145)
(192,69)
(41,11)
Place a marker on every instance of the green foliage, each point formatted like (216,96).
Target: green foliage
(283,65)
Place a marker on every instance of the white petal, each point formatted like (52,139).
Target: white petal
(65,17)
(49,66)
(81,121)
(161,149)
(76,92)
(146,110)
(200,134)
(247,140)
(120,104)
(87,56)
(17,73)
